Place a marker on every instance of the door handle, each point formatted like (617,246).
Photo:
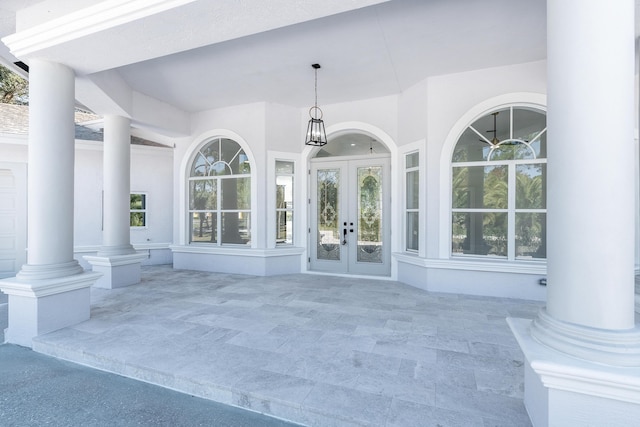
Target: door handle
(344,236)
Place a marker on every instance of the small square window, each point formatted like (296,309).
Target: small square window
(138,210)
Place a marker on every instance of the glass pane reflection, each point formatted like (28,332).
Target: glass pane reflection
(370,214)
(531,235)
(236,228)
(328,247)
(479,233)
(531,186)
(478,187)
(203,227)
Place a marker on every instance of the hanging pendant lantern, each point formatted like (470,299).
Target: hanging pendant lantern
(316,135)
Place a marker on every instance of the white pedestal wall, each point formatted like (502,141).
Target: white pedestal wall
(561,390)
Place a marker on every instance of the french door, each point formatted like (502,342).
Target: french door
(350,216)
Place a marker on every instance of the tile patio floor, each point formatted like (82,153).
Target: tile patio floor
(317,350)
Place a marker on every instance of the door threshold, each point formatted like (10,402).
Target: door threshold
(347,275)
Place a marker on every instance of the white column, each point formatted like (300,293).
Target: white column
(583,351)
(50,172)
(116,260)
(590,201)
(51,291)
(117,173)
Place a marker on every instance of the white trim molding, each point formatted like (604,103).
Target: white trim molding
(237,251)
(469,264)
(83,22)
(183,179)
(46,287)
(564,390)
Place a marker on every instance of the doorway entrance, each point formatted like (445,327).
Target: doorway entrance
(350,215)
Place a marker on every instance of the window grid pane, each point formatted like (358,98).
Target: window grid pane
(219,205)
(138,210)
(492,214)
(413,230)
(531,232)
(412,201)
(203,226)
(413,190)
(284,202)
(531,186)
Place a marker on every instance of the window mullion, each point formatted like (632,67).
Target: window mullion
(219,212)
(511,214)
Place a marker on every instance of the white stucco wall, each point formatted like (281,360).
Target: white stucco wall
(419,118)
(87,227)
(380,112)
(151,173)
(282,133)
(413,118)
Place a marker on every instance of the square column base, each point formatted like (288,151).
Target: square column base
(560,390)
(118,270)
(41,306)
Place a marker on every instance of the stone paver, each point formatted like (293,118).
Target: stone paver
(37,390)
(4,314)
(313,349)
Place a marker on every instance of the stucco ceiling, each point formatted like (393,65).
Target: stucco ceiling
(374,51)
(370,51)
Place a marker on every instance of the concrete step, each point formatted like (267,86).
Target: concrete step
(199,387)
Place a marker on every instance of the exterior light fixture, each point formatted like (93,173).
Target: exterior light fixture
(316,134)
(495,140)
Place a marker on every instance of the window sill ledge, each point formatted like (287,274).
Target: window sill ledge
(474,264)
(238,251)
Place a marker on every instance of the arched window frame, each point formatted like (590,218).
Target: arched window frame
(222,165)
(525,100)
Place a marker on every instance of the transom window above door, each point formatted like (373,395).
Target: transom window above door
(352,144)
(498,175)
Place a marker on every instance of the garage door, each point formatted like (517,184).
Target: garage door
(13,215)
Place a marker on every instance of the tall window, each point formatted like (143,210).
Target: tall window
(499,186)
(412,186)
(138,210)
(220,194)
(284,202)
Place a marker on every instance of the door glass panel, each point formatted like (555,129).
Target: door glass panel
(328,247)
(370,214)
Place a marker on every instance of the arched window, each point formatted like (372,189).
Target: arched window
(220,194)
(499,186)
